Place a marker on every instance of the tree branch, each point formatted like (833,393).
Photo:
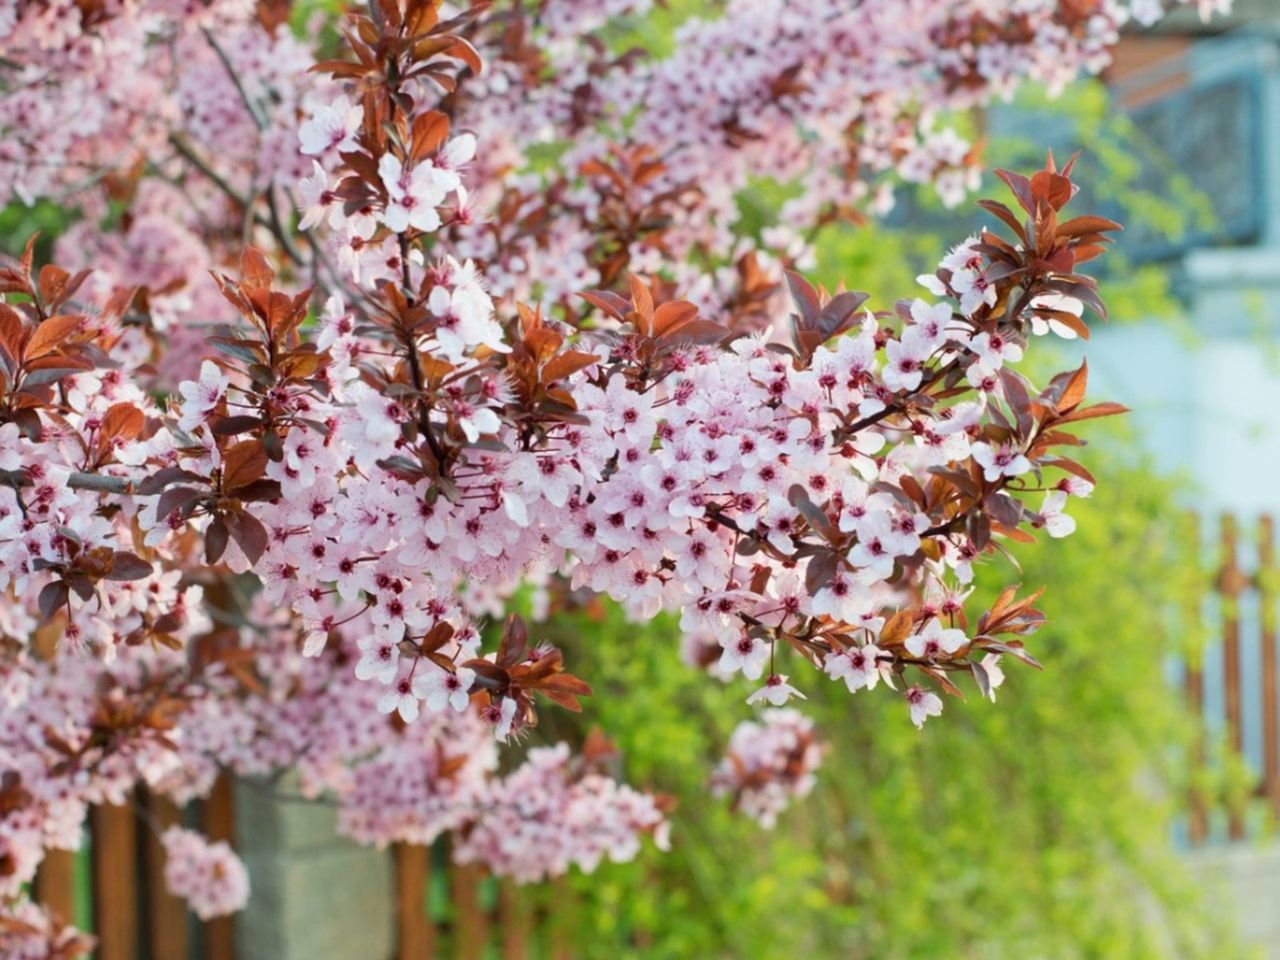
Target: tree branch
(77,481)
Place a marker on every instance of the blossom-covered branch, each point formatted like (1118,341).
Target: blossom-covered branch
(262,521)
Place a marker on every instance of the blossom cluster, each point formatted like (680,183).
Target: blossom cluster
(547,816)
(30,932)
(769,762)
(209,876)
(183,113)
(844,100)
(189,115)
(249,525)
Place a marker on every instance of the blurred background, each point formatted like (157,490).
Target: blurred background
(1122,804)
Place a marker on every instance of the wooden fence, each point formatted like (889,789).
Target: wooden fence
(123,898)
(115,887)
(1234,688)
(484,917)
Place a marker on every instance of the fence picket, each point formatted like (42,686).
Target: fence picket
(55,885)
(513,920)
(219,824)
(471,931)
(166,918)
(115,889)
(415,933)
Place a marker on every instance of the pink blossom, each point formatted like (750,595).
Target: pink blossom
(332,128)
(201,396)
(999,461)
(769,762)
(934,640)
(775,692)
(923,704)
(440,688)
(209,876)
(413,195)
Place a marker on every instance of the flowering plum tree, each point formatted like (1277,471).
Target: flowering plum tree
(263,522)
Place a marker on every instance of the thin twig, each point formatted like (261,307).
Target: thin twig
(235,79)
(188,153)
(277,227)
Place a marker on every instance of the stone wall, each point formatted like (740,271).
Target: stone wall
(316,895)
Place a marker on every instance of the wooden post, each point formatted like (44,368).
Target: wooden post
(472,924)
(415,934)
(166,920)
(1270,697)
(55,885)
(513,921)
(55,880)
(219,824)
(1230,586)
(115,888)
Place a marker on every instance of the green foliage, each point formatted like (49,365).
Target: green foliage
(19,221)
(884,258)
(655,31)
(1117,148)
(1038,826)
(1123,168)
